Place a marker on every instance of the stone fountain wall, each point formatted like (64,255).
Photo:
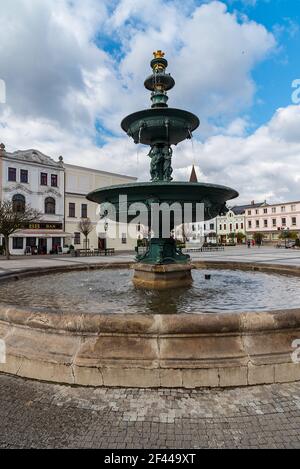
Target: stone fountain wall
(187,350)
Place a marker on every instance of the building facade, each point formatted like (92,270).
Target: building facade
(79,182)
(229,225)
(272,219)
(205,231)
(30,177)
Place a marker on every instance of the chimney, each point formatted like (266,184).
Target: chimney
(193,177)
(252,202)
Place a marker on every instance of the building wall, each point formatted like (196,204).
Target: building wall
(35,194)
(203,231)
(79,182)
(230,223)
(272,219)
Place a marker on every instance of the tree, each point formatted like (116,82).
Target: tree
(258,238)
(231,237)
(240,237)
(85,226)
(286,234)
(14,217)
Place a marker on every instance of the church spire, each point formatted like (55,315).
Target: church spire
(193,177)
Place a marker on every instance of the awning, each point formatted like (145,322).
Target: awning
(41,234)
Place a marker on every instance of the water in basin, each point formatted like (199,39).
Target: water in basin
(111,291)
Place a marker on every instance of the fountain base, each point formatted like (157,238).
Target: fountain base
(162,276)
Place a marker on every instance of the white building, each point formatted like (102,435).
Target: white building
(205,231)
(30,177)
(79,182)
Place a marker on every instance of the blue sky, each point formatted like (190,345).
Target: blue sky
(274,76)
(73,70)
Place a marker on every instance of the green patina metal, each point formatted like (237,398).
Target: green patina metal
(161,127)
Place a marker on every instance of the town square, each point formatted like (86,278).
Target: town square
(149,227)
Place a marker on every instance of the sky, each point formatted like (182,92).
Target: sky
(74,69)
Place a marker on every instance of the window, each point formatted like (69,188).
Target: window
(266,223)
(77,238)
(283,208)
(220,227)
(72,210)
(204,226)
(230,227)
(242,226)
(257,223)
(293,208)
(211,226)
(249,224)
(124,238)
(294,221)
(19,203)
(274,222)
(249,212)
(53,180)
(273,209)
(256,212)
(18,243)
(44,179)
(50,206)
(12,174)
(265,210)
(283,221)
(225,227)
(83,210)
(24,176)
(236,226)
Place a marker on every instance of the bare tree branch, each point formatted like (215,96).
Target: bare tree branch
(12,220)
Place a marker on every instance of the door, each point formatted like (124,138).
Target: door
(42,246)
(56,243)
(101,243)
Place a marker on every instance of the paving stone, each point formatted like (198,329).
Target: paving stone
(42,415)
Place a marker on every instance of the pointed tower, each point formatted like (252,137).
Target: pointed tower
(193,176)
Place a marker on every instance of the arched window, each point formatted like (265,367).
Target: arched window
(19,203)
(50,206)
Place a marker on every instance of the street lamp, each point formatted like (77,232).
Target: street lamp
(286,232)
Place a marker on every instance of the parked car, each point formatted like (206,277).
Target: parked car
(63,250)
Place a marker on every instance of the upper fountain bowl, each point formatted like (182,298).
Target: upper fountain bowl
(160,125)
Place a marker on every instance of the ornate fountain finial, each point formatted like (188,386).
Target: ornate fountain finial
(158,54)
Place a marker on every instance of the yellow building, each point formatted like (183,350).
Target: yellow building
(79,181)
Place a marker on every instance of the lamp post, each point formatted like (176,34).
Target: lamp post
(286,232)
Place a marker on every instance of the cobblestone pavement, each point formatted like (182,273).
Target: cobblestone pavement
(41,415)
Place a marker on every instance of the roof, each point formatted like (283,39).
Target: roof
(193,177)
(34,156)
(240,209)
(99,171)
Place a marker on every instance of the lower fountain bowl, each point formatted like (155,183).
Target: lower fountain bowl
(162,276)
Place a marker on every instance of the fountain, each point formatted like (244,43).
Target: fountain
(86,324)
(163,265)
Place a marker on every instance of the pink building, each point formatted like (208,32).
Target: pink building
(271,220)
